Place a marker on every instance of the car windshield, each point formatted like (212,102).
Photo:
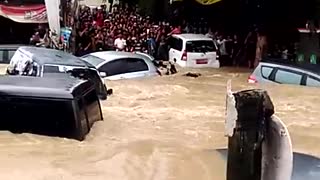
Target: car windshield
(95,61)
(200,46)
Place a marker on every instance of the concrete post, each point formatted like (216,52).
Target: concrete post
(253,109)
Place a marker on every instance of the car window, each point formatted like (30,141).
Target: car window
(200,46)
(93,60)
(176,44)
(10,54)
(114,67)
(266,71)
(51,69)
(136,65)
(2,56)
(288,77)
(313,81)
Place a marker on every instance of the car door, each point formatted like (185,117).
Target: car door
(113,70)
(286,76)
(312,81)
(175,51)
(136,68)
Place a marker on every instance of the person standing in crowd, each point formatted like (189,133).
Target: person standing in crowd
(176,30)
(188,28)
(261,50)
(210,34)
(229,49)
(284,53)
(250,47)
(162,54)
(151,44)
(235,50)
(86,41)
(35,39)
(120,43)
(222,45)
(99,17)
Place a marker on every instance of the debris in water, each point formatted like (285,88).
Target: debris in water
(110,92)
(194,75)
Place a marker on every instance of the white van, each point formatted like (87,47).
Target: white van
(193,50)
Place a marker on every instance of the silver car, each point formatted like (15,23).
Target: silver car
(282,73)
(113,65)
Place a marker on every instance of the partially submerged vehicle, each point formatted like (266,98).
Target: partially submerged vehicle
(113,65)
(63,106)
(280,72)
(42,62)
(193,50)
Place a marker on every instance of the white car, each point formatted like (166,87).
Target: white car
(113,65)
(193,50)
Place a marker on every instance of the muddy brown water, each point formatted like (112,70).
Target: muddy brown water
(159,128)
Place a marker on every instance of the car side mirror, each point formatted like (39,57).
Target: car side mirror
(103,74)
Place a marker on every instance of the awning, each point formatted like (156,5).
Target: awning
(25,14)
(207,2)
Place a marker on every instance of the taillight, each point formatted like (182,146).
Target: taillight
(184,56)
(252,79)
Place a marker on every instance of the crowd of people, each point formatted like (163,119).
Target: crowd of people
(124,29)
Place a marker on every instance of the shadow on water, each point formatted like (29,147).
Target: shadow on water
(305,167)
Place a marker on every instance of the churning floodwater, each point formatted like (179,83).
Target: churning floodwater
(157,129)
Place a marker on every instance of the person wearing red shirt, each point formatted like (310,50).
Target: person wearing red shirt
(176,30)
(100,18)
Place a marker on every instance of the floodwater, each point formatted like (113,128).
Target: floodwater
(161,128)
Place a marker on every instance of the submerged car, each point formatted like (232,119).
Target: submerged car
(277,71)
(193,50)
(113,65)
(62,106)
(43,62)
(7,51)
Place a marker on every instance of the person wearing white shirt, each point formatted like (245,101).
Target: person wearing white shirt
(120,43)
(224,56)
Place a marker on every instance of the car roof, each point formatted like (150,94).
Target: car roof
(111,55)
(192,37)
(52,56)
(313,68)
(59,87)
(10,46)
